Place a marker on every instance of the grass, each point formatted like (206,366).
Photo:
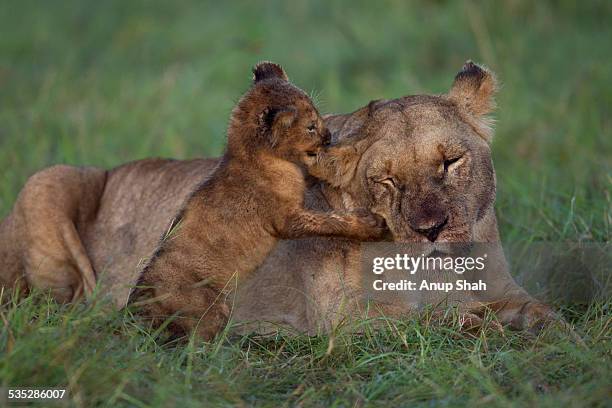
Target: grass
(106,358)
(101,83)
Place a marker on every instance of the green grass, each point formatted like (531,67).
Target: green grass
(107,358)
(101,83)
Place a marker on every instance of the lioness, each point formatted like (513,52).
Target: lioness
(123,211)
(254,197)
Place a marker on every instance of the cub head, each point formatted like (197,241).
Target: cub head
(423,162)
(276,116)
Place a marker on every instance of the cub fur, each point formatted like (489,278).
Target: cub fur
(254,197)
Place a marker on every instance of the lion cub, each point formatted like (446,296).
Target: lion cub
(253,198)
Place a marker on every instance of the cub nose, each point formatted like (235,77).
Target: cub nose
(432,229)
(326,137)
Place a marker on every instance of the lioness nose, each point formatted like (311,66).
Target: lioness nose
(432,230)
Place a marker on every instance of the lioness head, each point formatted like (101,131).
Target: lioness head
(423,162)
(278,116)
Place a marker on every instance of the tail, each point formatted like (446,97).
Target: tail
(11,266)
(80,259)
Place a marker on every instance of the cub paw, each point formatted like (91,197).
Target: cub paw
(368,225)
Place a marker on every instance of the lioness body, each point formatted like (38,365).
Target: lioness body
(303,282)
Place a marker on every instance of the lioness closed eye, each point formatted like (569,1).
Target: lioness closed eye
(234,218)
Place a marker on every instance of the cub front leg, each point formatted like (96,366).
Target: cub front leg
(359,224)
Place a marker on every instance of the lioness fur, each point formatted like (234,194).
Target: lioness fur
(254,197)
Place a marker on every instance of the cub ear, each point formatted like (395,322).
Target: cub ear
(474,89)
(272,121)
(272,117)
(268,70)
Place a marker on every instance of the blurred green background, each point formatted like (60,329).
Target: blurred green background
(105,82)
(102,83)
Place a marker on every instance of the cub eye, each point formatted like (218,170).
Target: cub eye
(450,162)
(312,128)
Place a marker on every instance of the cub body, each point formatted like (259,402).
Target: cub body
(254,197)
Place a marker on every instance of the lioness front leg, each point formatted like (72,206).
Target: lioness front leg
(359,224)
(518,311)
(524,313)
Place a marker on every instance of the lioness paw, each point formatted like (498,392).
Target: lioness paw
(534,317)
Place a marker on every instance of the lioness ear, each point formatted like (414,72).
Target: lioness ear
(273,121)
(351,125)
(474,89)
(337,165)
(268,70)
